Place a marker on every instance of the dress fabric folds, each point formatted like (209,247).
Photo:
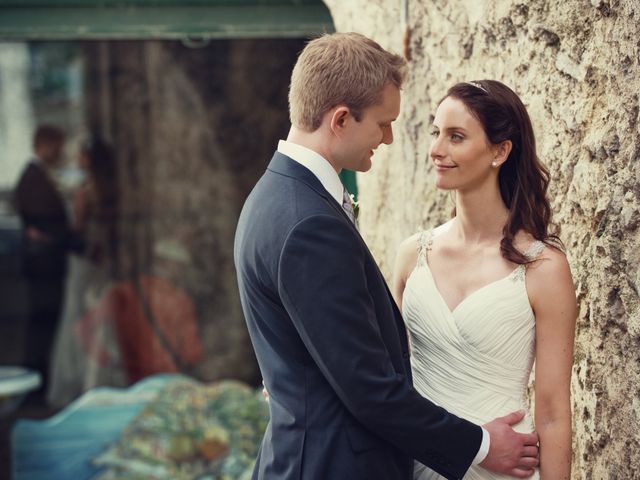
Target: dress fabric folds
(475,361)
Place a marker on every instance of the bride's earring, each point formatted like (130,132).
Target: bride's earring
(494,164)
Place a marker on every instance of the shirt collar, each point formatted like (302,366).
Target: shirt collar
(318,165)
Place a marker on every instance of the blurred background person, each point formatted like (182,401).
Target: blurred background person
(95,207)
(46,238)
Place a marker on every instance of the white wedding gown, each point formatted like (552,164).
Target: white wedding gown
(474,361)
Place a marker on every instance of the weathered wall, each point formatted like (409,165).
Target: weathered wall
(576,65)
(193,130)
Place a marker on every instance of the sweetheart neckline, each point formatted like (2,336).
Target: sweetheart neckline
(464,300)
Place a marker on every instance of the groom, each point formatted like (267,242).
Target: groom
(329,339)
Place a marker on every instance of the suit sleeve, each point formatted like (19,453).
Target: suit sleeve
(39,205)
(323,286)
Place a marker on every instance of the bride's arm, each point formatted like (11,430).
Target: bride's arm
(406,259)
(552,296)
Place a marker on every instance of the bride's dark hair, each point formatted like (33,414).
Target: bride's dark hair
(523,179)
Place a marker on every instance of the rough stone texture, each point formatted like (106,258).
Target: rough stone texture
(576,66)
(193,130)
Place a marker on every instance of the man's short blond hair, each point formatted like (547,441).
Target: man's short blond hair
(340,69)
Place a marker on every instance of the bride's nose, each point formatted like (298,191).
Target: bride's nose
(436,149)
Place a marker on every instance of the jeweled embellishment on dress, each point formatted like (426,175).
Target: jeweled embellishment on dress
(518,274)
(425,244)
(532,252)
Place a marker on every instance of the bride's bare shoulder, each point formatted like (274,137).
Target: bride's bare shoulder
(410,246)
(408,250)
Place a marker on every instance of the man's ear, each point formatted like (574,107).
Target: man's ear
(501,153)
(339,119)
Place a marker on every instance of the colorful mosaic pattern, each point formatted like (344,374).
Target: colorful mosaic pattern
(191,431)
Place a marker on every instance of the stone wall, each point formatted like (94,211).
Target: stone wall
(576,65)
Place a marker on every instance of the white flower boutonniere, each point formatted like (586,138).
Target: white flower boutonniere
(355,204)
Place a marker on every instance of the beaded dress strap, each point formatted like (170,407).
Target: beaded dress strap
(425,241)
(534,249)
(531,253)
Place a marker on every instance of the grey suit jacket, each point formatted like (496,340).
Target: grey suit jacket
(331,345)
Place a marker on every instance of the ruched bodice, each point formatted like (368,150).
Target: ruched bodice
(474,360)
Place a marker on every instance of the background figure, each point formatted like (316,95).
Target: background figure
(95,206)
(96,202)
(46,238)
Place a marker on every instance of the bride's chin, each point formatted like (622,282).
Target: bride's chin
(442,185)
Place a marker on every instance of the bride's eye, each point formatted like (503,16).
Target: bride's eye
(434,133)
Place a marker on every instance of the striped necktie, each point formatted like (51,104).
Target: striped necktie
(347,206)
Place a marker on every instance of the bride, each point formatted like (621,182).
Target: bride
(490,291)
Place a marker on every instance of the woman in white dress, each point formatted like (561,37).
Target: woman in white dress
(490,291)
(79,363)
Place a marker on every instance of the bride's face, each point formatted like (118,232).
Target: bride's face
(460,150)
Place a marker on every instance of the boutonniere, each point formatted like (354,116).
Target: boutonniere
(355,204)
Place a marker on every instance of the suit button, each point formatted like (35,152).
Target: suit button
(405,355)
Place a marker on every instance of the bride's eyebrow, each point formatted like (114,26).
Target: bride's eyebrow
(455,129)
(449,129)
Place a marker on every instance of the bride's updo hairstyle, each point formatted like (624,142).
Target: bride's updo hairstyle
(523,179)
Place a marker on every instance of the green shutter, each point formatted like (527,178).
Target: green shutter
(349,181)
(162,19)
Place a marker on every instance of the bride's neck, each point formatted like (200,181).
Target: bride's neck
(480,216)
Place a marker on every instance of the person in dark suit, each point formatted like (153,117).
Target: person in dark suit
(47,233)
(328,336)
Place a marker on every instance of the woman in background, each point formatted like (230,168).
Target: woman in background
(95,207)
(490,291)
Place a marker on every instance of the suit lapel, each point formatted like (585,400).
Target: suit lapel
(284,165)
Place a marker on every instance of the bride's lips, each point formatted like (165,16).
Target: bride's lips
(443,167)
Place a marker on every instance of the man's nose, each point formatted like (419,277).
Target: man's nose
(387,136)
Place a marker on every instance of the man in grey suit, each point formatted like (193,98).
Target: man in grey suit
(329,339)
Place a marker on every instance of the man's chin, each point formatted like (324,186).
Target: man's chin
(364,166)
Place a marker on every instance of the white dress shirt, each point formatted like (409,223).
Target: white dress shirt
(330,180)
(318,165)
